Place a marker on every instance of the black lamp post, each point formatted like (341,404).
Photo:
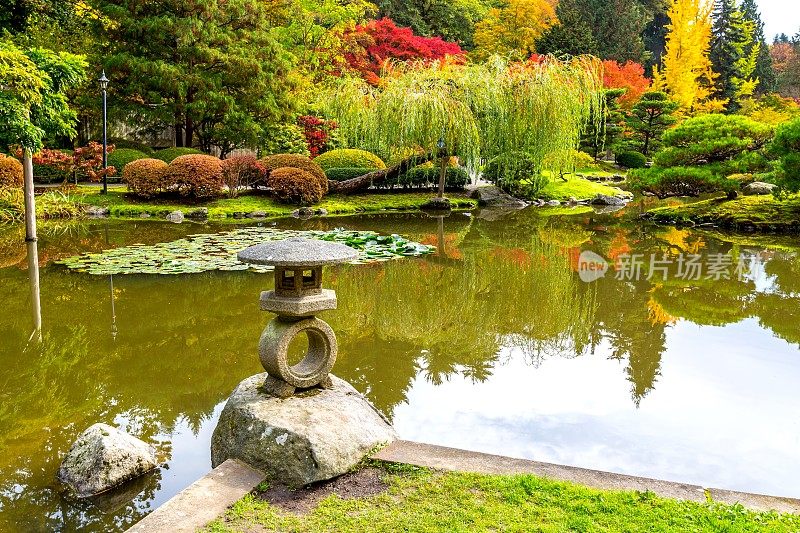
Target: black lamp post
(104,86)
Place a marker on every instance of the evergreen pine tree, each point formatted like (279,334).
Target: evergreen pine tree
(650,118)
(733,54)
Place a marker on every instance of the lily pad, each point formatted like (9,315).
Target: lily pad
(217,251)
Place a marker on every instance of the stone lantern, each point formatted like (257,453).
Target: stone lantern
(298,296)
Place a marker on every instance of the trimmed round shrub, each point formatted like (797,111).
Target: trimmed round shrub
(10,172)
(170,154)
(302,162)
(349,158)
(122,156)
(145,177)
(346,173)
(295,186)
(631,159)
(241,171)
(134,145)
(195,176)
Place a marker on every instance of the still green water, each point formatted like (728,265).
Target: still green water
(493,344)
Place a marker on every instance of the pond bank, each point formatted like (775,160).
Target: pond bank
(419,486)
(745,213)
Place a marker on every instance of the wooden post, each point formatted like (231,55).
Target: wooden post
(30,202)
(442,175)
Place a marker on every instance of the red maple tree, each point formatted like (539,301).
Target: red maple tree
(375,44)
(629,76)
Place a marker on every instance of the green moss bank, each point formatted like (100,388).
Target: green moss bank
(423,500)
(122,205)
(748,213)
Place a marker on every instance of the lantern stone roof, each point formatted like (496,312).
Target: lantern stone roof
(297,252)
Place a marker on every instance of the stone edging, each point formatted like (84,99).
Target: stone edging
(440,457)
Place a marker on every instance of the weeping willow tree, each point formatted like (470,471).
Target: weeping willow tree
(471,111)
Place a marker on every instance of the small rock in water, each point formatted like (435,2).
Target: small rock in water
(553,203)
(492,196)
(103,457)
(303,212)
(321,212)
(96,211)
(604,199)
(257,214)
(144,215)
(176,217)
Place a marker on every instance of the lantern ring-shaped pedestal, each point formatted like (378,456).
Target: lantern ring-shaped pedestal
(314,368)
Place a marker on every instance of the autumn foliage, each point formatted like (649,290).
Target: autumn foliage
(195,175)
(241,171)
(381,41)
(274,162)
(629,76)
(295,186)
(10,172)
(145,177)
(84,161)
(317,132)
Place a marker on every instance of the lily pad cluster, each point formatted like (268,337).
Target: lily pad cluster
(217,251)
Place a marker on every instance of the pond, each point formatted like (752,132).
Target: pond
(494,343)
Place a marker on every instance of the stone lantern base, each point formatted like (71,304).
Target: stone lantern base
(315,435)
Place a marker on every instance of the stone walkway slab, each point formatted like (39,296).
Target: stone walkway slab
(202,501)
(443,458)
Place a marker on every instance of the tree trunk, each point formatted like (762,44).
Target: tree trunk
(442,176)
(376,176)
(30,202)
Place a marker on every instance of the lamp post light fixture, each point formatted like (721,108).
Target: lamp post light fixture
(297,297)
(103,81)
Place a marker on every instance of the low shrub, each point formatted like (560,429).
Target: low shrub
(168,155)
(241,171)
(133,145)
(122,156)
(679,181)
(277,161)
(349,158)
(195,176)
(346,173)
(426,177)
(510,168)
(10,172)
(631,159)
(295,186)
(146,177)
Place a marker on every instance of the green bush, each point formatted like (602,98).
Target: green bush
(510,168)
(631,159)
(428,178)
(346,173)
(133,145)
(283,139)
(786,147)
(122,156)
(349,158)
(679,181)
(168,155)
(295,186)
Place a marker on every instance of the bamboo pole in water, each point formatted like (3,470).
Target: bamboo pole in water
(30,202)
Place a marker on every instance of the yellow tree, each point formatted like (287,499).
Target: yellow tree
(686,73)
(514,27)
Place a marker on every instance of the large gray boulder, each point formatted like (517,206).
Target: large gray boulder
(492,196)
(604,199)
(315,435)
(758,188)
(103,457)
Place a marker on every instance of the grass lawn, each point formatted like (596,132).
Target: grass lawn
(745,212)
(122,205)
(580,188)
(422,500)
